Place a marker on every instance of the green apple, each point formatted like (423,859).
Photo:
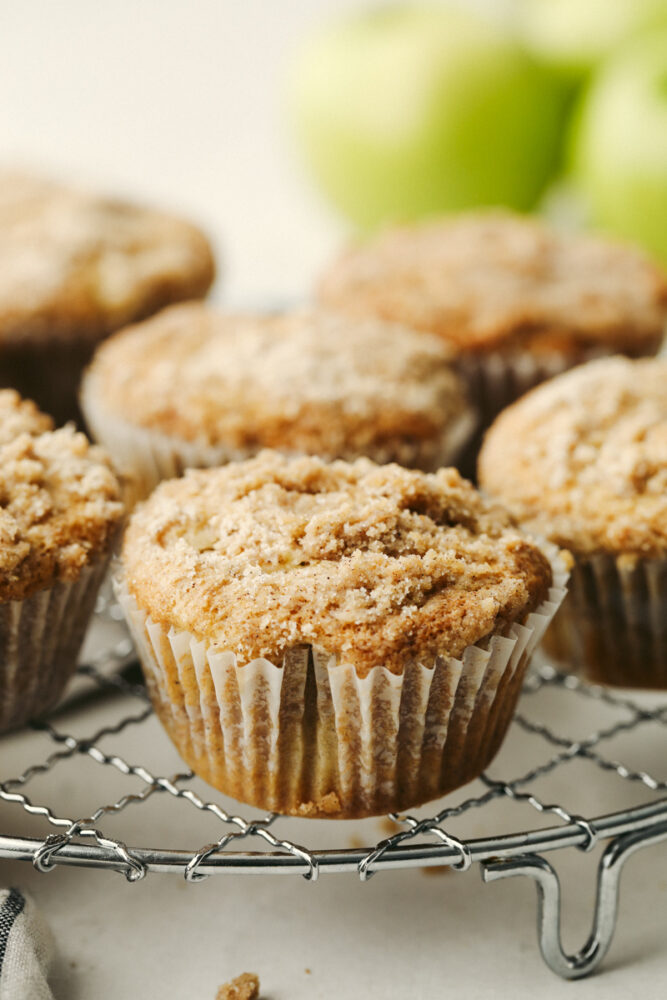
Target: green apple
(619,145)
(410,110)
(575,35)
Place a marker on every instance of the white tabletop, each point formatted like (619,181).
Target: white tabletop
(182,104)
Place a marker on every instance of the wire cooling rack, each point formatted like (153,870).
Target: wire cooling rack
(562,724)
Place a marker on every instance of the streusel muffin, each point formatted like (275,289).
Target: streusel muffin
(333,639)
(59,512)
(582,460)
(74,267)
(194,387)
(516,300)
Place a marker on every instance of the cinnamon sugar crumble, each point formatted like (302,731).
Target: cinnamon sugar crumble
(583,459)
(73,262)
(375,564)
(244,987)
(20,416)
(59,500)
(496,279)
(307,381)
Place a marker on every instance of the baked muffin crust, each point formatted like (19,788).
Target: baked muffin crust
(59,500)
(20,416)
(497,280)
(306,382)
(378,565)
(76,265)
(582,459)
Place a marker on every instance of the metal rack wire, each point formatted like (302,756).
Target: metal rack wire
(259,845)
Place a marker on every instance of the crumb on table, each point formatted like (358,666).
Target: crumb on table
(244,987)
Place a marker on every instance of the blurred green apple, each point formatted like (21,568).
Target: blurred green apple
(575,35)
(410,110)
(619,145)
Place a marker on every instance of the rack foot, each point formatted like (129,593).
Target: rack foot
(549,896)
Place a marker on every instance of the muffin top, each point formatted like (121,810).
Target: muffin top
(583,458)
(20,416)
(497,280)
(75,264)
(306,381)
(375,564)
(59,500)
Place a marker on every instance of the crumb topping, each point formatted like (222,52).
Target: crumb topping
(72,262)
(20,416)
(307,381)
(376,564)
(243,987)
(583,458)
(497,279)
(59,500)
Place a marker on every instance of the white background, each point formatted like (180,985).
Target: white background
(182,103)
(179,102)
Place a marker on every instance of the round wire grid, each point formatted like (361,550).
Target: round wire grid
(573,751)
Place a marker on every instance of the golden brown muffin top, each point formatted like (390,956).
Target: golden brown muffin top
(59,500)
(497,280)
(76,264)
(20,416)
(378,565)
(583,458)
(306,381)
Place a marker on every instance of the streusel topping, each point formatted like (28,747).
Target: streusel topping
(583,458)
(376,564)
(308,381)
(494,279)
(59,501)
(20,416)
(72,262)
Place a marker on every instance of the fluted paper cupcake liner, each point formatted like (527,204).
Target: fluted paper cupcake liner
(613,625)
(309,737)
(144,457)
(40,638)
(497,378)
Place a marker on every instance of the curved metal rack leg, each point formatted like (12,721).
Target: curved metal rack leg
(549,896)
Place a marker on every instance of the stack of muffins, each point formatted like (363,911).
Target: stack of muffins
(331,620)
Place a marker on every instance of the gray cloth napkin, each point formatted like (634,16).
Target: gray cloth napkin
(26,949)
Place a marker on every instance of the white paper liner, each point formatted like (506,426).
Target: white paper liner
(144,457)
(613,625)
(310,737)
(40,638)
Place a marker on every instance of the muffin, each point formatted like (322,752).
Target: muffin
(517,301)
(583,461)
(193,387)
(74,267)
(333,639)
(59,514)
